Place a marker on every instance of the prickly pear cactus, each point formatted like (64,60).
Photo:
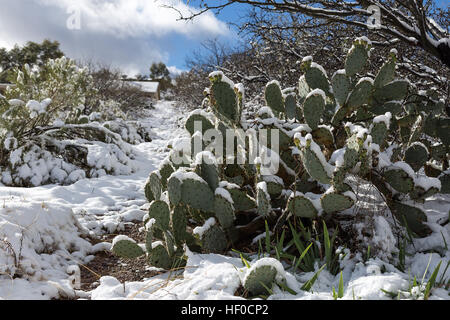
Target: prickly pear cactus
(330,130)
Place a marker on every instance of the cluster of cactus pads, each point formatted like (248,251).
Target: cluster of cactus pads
(378,128)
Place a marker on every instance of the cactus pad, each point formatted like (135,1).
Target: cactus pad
(159,210)
(420,194)
(259,279)
(178,223)
(225,101)
(174,189)
(209,173)
(356,58)
(165,170)
(275,185)
(263,199)
(197,194)
(155,184)
(341,86)
(360,95)
(148,192)
(413,216)
(316,77)
(323,136)
(224,210)
(335,202)
(290,105)
(393,91)
(159,257)
(313,108)
(379,132)
(416,156)
(386,73)
(126,248)
(301,206)
(274,97)
(241,200)
(206,124)
(394,107)
(314,166)
(190,189)
(214,240)
(399,180)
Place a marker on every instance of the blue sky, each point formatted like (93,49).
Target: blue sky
(130,34)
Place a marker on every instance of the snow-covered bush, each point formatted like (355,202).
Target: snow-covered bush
(38,241)
(55,91)
(331,131)
(45,137)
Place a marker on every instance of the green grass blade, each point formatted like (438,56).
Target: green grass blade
(244,261)
(426,270)
(432,281)
(308,285)
(279,246)
(302,256)
(392,295)
(241,254)
(341,287)
(285,287)
(265,287)
(267,239)
(327,245)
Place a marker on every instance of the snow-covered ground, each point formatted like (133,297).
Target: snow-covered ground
(41,226)
(44,228)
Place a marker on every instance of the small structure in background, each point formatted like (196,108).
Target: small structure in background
(150,88)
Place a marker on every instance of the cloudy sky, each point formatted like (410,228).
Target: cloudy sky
(130,34)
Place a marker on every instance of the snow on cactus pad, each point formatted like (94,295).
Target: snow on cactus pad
(224,99)
(315,75)
(126,247)
(313,107)
(213,238)
(274,97)
(187,187)
(357,56)
(399,179)
(263,274)
(332,201)
(223,207)
(341,86)
(314,160)
(303,206)
(159,210)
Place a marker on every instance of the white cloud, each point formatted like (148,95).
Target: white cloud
(174,71)
(135,18)
(130,34)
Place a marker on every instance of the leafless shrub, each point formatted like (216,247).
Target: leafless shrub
(189,88)
(109,86)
